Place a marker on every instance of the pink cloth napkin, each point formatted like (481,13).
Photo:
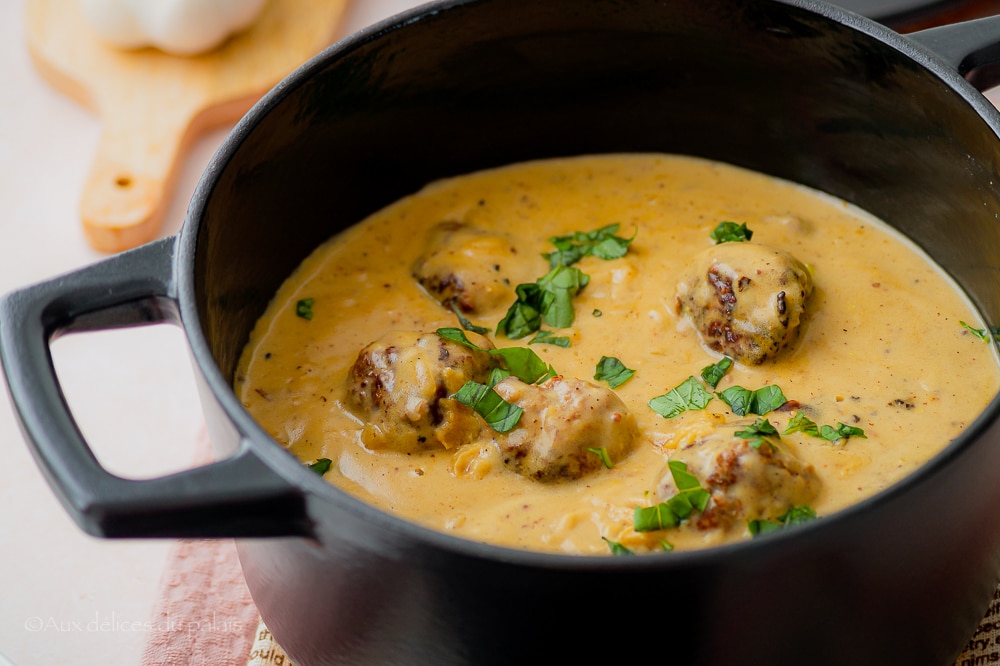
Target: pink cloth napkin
(204,614)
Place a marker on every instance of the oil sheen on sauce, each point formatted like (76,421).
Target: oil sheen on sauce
(881,347)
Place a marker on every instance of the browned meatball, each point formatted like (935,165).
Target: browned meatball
(745,299)
(745,483)
(400,386)
(468,268)
(564,418)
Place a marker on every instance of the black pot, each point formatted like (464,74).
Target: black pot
(793,88)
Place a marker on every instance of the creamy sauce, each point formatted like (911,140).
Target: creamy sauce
(881,346)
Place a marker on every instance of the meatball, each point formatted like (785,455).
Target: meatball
(745,299)
(745,483)
(564,418)
(400,386)
(467,268)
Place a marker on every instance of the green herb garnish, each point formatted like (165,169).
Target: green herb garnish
(730,232)
(550,338)
(499,414)
(690,496)
(617,548)
(602,453)
(466,324)
(321,466)
(304,308)
(759,401)
(840,431)
(521,362)
(796,515)
(549,299)
(757,433)
(613,371)
(713,374)
(801,423)
(601,243)
(689,394)
(981,333)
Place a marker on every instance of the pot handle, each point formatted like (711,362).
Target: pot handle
(972,48)
(239,496)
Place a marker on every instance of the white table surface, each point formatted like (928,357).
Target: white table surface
(65,597)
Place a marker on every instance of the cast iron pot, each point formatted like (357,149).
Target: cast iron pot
(792,88)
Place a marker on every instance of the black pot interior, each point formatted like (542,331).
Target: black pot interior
(774,87)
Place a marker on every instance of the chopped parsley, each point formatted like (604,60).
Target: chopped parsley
(713,374)
(304,308)
(499,414)
(730,232)
(796,515)
(601,243)
(689,394)
(321,466)
(613,371)
(759,401)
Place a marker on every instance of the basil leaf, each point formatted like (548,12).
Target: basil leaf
(304,308)
(713,374)
(613,371)
(497,375)
(757,433)
(689,394)
(760,401)
(796,515)
(617,548)
(499,414)
(601,243)
(602,453)
(652,518)
(690,497)
(457,335)
(688,485)
(521,362)
(761,527)
(840,431)
(730,232)
(550,338)
(801,423)
(524,316)
(466,324)
(984,334)
(524,364)
(559,286)
(321,466)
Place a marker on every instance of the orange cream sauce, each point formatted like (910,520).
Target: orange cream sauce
(881,347)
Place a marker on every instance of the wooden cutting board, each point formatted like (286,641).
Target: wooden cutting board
(152,104)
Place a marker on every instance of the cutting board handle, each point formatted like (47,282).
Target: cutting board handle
(127,190)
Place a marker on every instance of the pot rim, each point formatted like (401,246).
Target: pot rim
(286,465)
